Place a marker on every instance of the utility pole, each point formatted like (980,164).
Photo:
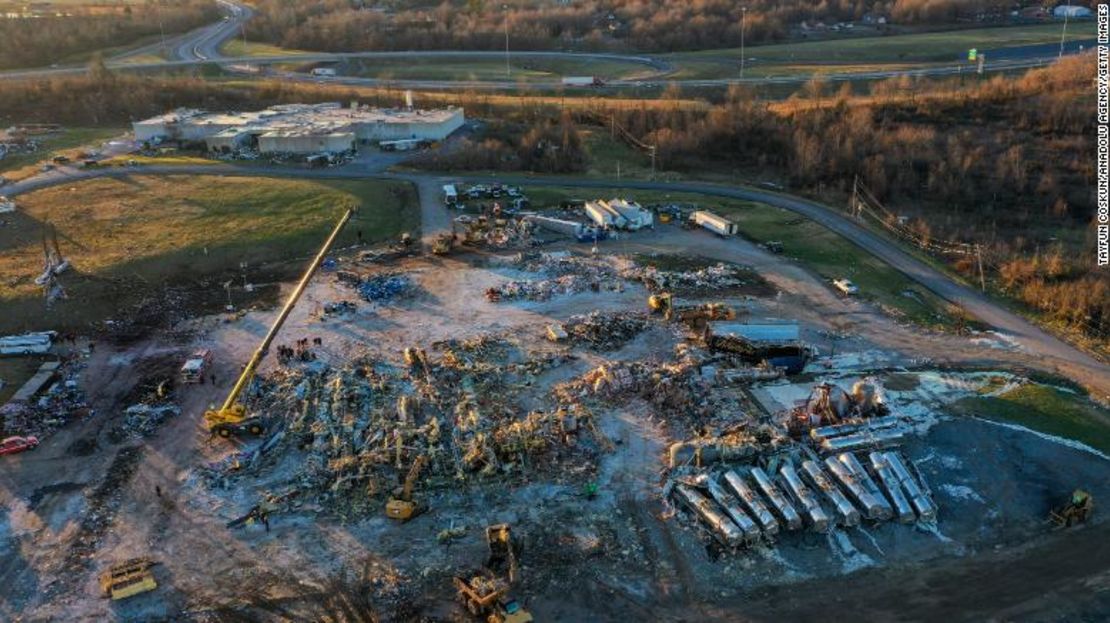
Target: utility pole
(743,15)
(855,197)
(652,161)
(162,28)
(979,257)
(1064,32)
(508,69)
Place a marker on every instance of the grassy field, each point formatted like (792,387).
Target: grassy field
(67,142)
(161,160)
(923,47)
(821,251)
(523,69)
(127,238)
(1061,412)
(237,47)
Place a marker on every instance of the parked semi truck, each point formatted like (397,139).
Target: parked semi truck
(582,81)
(716,224)
(580,231)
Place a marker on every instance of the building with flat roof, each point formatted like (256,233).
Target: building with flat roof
(300,128)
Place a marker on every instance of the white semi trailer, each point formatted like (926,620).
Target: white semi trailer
(582,81)
(716,224)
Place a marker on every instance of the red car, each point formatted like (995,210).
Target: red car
(12,445)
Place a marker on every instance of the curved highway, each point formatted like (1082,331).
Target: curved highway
(1054,352)
(202,46)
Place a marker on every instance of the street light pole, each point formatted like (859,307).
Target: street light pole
(1064,32)
(508,68)
(743,15)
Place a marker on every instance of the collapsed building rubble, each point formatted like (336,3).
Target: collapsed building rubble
(379,287)
(44,411)
(357,429)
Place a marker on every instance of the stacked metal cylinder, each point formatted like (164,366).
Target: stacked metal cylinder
(743,506)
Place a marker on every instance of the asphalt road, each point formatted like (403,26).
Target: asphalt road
(1055,353)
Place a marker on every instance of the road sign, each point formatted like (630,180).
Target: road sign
(972,54)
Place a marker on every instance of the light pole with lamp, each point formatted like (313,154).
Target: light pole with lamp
(743,16)
(508,69)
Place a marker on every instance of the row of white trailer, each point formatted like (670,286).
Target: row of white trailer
(619,214)
(741,507)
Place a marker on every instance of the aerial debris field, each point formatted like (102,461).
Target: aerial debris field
(660,431)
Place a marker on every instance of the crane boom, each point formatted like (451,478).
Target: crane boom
(231,412)
(410,479)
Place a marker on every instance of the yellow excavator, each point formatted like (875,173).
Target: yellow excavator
(230,420)
(1076,511)
(401,506)
(663,303)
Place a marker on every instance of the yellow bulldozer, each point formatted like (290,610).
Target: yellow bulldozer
(230,419)
(401,506)
(128,578)
(1076,511)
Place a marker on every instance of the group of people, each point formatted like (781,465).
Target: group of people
(301,352)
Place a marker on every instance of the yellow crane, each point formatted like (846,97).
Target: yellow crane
(401,506)
(231,418)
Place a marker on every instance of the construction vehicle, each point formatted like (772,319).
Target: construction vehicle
(128,578)
(503,550)
(693,315)
(259,513)
(1078,510)
(401,506)
(443,243)
(487,598)
(231,419)
(485,593)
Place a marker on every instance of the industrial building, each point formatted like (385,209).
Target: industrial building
(300,128)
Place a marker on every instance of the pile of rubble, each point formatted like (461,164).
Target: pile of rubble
(711,278)
(385,286)
(605,331)
(543,290)
(141,420)
(61,402)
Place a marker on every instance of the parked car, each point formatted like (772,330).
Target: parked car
(846,286)
(14,445)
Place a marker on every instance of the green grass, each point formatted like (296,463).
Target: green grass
(236,47)
(490,69)
(818,249)
(65,142)
(1046,409)
(126,238)
(922,47)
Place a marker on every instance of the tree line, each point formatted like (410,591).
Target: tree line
(1004,162)
(45,40)
(647,25)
